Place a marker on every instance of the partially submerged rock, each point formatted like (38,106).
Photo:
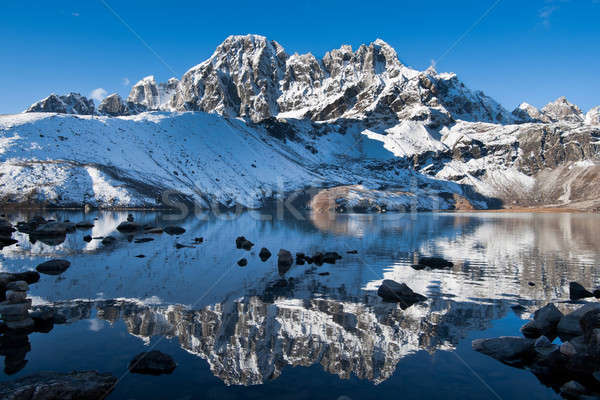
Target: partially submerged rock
(433,263)
(127,226)
(284,261)
(544,322)
(173,230)
(392,291)
(242,262)
(570,324)
(152,363)
(242,243)
(78,385)
(507,349)
(264,254)
(578,292)
(108,240)
(53,267)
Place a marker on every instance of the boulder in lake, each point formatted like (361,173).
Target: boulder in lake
(174,230)
(513,350)
(144,240)
(87,238)
(152,363)
(434,263)
(108,240)
(77,385)
(331,257)
(392,291)
(242,243)
(128,227)
(264,254)
(284,261)
(6,228)
(544,322)
(7,241)
(84,225)
(54,229)
(570,324)
(577,292)
(242,262)
(53,267)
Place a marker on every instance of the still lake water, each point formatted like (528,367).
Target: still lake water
(239,333)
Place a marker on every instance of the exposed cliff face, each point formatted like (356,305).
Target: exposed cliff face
(73,103)
(147,95)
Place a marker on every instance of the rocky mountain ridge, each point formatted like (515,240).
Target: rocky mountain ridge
(403,139)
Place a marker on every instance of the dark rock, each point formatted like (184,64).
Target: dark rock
(264,254)
(84,225)
(318,258)
(113,105)
(108,240)
(140,256)
(570,324)
(511,350)
(87,238)
(284,261)
(181,246)
(435,262)
(531,283)
(596,293)
(392,291)
(242,243)
(300,258)
(152,363)
(198,240)
(6,229)
(352,252)
(129,218)
(544,322)
(323,273)
(331,257)
(174,230)
(7,241)
(127,226)
(144,240)
(573,389)
(530,330)
(77,385)
(577,292)
(590,321)
(27,276)
(53,229)
(242,262)
(154,230)
(53,267)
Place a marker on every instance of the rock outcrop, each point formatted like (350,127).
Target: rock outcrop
(72,103)
(113,105)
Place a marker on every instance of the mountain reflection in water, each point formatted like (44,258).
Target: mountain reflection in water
(249,327)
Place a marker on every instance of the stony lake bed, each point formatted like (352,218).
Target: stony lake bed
(314,326)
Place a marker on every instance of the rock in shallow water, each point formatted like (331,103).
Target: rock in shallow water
(152,363)
(508,349)
(53,267)
(284,261)
(392,291)
(577,292)
(264,254)
(173,230)
(82,385)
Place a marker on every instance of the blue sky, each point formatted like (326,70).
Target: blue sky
(526,50)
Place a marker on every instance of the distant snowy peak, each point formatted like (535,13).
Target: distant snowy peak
(147,95)
(562,110)
(252,77)
(593,116)
(73,103)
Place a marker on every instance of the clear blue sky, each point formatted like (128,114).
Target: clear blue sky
(527,50)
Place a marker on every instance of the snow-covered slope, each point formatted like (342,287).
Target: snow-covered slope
(252,123)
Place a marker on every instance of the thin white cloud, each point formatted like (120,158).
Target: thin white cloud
(98,94)
(545,13)
(126,82)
